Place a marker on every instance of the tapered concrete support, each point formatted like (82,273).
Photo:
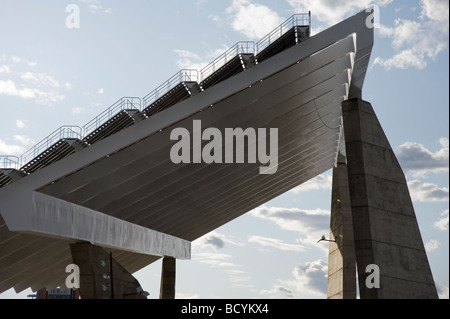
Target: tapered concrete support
(167,289)
(341,258)
(102,277)
(384,222)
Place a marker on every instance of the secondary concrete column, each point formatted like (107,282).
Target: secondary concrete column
(102,277)
(384,222)
(167,289)
(341,257)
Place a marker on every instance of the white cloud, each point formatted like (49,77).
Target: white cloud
(24,140)
(278,291)
(216,19)
(253,20)
(223,263)
(319,182)
(189,60)
(275,243)
(427,192)
(444,142)
(432,245)
(309,224)
(442,291)
(96,7)
(215,259)
(41,87)
(21,124)
(5,69)
(187,54)
(214,54)
(184,296)
(210,239)
(16,59)
(437,10)
(312,276)
(101,91)
(416,42)
(240,281)
(9,88)
(442,224)
(403,60)
(293,219)
(214,239)
(200,2)
(419,160)
(8,149)
(77,110)
(329,12)
(308,280)
(40,79)
(234,271)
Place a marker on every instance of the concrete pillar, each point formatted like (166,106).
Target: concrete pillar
(384,222)
(42,293)
(341,258)
(101,276)
(167,288)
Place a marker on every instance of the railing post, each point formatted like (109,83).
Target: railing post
(9,161)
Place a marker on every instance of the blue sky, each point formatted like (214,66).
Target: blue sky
(51,76)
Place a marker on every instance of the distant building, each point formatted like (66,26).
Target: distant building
(57,293)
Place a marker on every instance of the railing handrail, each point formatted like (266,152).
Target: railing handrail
(299,19)
(9,162)
(185,75)
(242,47)
(122,104)
(64,132)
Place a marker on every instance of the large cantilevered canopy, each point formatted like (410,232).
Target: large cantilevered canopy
(124,193)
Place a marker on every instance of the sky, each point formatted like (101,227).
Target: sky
(54,74)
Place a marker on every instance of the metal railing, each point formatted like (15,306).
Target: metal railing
(9,162)
(303,19)
(125,103)
(242,47)
(186,75)
(64,132)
